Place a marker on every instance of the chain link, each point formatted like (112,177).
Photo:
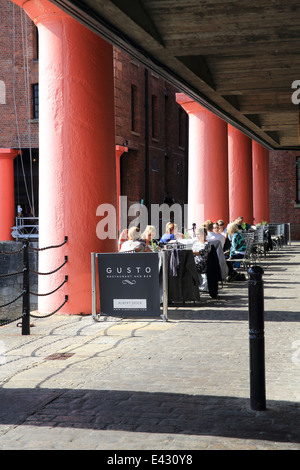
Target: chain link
(52,313)
(49,247)
(51,272)
(52,292)
(12,252)
(6,322)
(11,274)
(12,301)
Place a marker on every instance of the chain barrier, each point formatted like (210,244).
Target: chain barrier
(11,274)
(7,322)
(11,252)
(52,292)
(26,288)
(52,313)
(32,248)
(51,272)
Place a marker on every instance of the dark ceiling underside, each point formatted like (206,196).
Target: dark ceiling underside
(237,58)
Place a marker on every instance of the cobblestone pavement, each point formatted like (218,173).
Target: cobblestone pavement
(145,384)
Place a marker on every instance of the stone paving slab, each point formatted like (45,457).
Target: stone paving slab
(145,384)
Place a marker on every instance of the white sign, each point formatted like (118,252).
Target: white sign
(132,304)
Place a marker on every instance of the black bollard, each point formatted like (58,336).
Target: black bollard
(26,298)
(256,339)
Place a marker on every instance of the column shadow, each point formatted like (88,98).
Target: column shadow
(151,412)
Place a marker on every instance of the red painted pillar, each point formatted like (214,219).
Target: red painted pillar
(261,197)
(240,175)
(77,152)
(208,164)
(7,193)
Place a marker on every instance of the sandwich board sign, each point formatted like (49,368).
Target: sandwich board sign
(129,283)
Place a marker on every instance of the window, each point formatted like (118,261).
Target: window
(35,43)
(154,117)
(298,179)
(154,164)
(134,126)
(35,100)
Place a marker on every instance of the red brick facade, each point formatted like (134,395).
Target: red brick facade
(18,72)
(284,206)
(157,158)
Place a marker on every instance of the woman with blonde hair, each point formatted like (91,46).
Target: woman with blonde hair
(149,234)
(134,242)
(169,234)
(238,244)
(149,239)
(201,249)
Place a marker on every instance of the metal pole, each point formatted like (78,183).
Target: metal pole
(256,339)
(26,297)
(95,316)
(165,287)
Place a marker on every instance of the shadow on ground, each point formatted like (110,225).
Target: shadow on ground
(137,411)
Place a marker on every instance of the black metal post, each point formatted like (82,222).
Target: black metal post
(26,297)
(256,339)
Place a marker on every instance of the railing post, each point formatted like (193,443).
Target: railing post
(165,287)
(26,297)
(256,339)
(95,316)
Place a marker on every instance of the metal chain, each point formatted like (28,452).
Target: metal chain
(11,252)
(51,272)
(11,274)
(52,313)
(49,247)
(49,293)
(12,301)
(6,322)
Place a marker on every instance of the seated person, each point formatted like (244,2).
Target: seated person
(223,231)
(224,266)
(122,238)
(213,235)
(216,227)
(134,243)
(222,228)
(149,235)
(241,224)
(169,234)
(201,249)
(178,235)
(207,263)
(238,243)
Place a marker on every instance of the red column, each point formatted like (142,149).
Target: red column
(240,175)
(260,168)
(77,151)
(7,193)
(208,164)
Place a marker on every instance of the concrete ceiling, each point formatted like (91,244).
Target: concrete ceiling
(237,58)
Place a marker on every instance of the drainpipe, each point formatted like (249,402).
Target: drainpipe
(146,202)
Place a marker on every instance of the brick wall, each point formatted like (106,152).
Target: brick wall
(17,127)
(12,286)
(166,172)
(283,206)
